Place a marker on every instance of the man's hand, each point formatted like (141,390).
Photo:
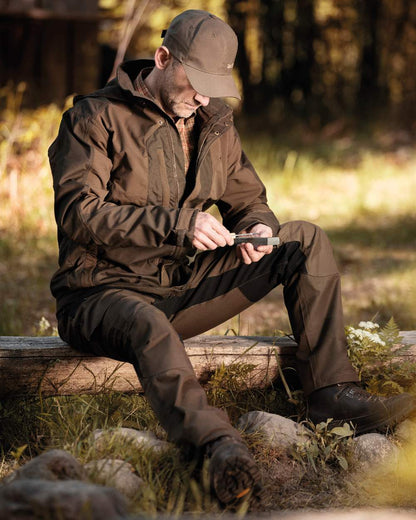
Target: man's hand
(209,233)
(248,252)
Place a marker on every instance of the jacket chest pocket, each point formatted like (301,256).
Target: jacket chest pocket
(129,180)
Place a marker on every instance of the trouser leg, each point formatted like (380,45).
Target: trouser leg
(119,325)
(221,286)
(314,304)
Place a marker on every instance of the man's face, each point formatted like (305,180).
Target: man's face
(177,96)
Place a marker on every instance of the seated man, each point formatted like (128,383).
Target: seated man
(136,165)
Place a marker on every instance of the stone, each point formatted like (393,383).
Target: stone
(128,436)
(371,449)
(31,499)
(115,473)
(51,465)
(276,431)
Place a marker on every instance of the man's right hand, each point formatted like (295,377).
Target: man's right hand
(209,233)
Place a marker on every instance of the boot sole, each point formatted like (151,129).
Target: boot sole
(235,477)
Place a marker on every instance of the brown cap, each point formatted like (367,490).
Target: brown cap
(206,46)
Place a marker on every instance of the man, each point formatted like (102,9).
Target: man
(136,165)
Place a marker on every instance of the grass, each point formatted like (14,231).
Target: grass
(174,483)
(359,188)
(314,475)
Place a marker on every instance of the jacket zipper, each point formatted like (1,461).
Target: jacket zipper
(175,172)
(203,149)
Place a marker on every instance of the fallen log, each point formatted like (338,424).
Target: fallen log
(48,366)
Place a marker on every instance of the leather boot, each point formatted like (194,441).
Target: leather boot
(234,473)
(347,402)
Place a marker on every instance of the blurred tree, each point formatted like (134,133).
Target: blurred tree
(369,92)
(276,55)
(324,59)
(134,16)
(398,58)
(238,17)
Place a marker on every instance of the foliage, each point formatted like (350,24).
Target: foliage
(378,357)
(27,230)
(324,445)
(393,483)
(25,134)
(44,328)
(175,481)
(366,344)
(229,388)
(227,382)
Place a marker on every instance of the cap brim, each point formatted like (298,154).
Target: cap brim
(212,85)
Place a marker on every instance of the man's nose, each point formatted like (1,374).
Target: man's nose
(202,100)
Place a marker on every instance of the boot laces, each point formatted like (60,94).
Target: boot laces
(356,392)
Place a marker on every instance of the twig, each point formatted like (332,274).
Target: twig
(131,22)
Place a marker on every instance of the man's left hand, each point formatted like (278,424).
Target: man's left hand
(248,253)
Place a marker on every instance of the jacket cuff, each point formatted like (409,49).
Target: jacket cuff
(184,229)
(259,218)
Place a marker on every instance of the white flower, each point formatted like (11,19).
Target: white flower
(358,336)
(368,325)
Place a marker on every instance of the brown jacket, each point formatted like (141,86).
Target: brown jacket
(124,209)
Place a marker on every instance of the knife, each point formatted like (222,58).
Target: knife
(243,238)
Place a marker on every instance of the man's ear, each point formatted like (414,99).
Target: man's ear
(162,57)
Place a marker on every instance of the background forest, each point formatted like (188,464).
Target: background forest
(327,118)
(318,59)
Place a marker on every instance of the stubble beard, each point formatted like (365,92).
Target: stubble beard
(178,107)
(173,103)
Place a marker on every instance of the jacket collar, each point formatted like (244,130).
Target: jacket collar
(122,89)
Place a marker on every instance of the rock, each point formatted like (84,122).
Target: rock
(371,449)
(115,473)
(128,436)
(29,499)
(51,465)
(276,431)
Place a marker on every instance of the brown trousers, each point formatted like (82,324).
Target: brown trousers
(147,332)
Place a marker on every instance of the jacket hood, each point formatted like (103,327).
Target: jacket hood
(121,89)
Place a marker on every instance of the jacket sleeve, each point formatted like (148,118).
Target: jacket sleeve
(244,202)
(81,169)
